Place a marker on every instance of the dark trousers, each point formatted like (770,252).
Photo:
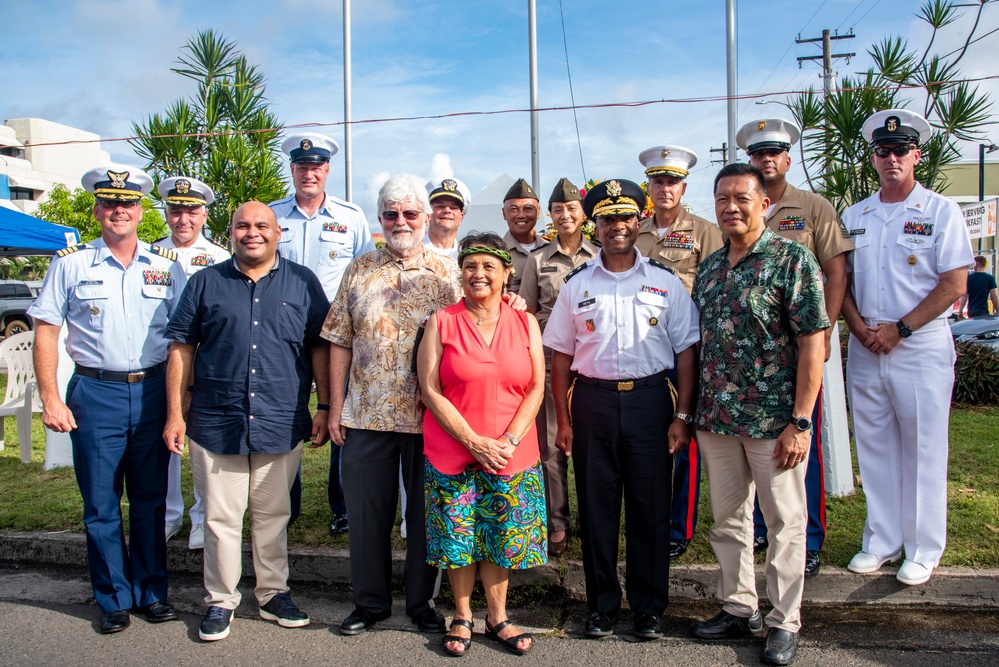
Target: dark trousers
(620,445)
(119,443)
(334,489)
(370,465)
(815,490)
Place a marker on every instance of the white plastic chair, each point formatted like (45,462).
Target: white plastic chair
(15,353)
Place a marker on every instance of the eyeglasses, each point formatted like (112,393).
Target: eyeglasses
(112,204)
(897,151)
(392,216)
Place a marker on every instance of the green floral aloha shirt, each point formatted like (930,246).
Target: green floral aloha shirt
(751,315)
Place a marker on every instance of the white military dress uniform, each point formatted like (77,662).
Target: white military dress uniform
(901,401)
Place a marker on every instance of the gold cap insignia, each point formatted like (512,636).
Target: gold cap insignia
(118,180)
(449,185)
(665,153)
(183,186)
(306,145)
(891,124)
(614,189)
(761,125)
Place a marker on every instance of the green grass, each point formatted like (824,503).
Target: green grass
(32,499)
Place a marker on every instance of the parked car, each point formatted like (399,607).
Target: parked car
(15,298)
(983,330)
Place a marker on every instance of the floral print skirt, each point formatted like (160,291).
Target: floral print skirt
(475,516)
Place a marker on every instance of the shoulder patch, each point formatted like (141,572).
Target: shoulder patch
(661,266)
(574,272)
(163,252)
(842,229)
(71,249)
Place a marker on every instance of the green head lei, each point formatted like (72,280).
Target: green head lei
(489,250)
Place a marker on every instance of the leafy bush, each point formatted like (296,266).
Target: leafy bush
(977,370)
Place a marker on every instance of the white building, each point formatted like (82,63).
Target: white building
(34,156)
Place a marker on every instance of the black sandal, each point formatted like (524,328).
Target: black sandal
(466,642)
(510,643)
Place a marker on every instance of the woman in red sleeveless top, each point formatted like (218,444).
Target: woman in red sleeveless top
(482,371)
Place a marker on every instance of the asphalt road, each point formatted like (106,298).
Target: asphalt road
(48,617)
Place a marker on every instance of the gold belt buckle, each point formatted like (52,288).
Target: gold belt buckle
(135,377)
(628,385)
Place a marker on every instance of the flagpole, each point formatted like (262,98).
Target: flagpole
(532,31)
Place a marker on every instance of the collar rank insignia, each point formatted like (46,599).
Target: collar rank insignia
(761,125)
(449,185)
(306,145)
(183,186)
(614,189)
(118,179)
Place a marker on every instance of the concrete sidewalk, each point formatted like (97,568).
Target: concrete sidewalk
(950,587)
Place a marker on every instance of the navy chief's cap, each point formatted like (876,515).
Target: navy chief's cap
(185,191)
(614,197)
(896,126)
(309,147)
(118,182)
(450,187)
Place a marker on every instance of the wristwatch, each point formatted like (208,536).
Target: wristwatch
(903,329)
(687,419)
(802,423)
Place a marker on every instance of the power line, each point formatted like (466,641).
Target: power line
(572,98)
(847,17)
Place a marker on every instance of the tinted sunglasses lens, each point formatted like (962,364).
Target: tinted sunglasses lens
(899,151)
(394,215)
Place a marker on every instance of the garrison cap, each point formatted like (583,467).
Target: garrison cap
(521,190)
(669,160)
(564,192)
(118,182)
(614,197)
(185,191)
(896,126)
(450,187)
(309,147)
(773,133)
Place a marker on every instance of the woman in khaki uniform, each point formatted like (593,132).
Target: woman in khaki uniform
(544,273)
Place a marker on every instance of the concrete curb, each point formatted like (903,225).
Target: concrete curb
(950,587)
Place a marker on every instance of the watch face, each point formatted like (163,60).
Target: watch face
(802,423)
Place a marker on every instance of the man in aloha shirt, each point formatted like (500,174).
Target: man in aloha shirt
(762,348)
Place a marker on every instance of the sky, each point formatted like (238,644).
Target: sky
(100,65)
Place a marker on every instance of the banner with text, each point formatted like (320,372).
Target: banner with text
(980,217)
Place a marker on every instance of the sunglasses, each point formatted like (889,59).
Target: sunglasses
(897,151)
(112,204)
(391,216)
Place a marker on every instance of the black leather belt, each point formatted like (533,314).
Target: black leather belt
(114,376)
(624,385)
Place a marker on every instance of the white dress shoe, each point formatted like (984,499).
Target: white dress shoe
(864,563)
(172,530)
(197,538)
(912,573)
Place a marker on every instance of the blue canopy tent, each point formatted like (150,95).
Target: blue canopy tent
(23,235)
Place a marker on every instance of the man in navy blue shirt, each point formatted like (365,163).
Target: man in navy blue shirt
(981,290)
(246,348)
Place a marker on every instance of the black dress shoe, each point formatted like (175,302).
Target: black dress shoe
(114,621)
(727,626)
(760,544)
(158,612)
(339,525)
(360,620)
(647,627)
(781,647)
(812,563)
(677,548)
(430,620)
(599,624)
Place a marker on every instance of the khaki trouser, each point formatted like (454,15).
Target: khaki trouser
(735,466)
(232,483)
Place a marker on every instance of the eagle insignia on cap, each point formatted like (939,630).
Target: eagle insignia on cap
(665,153)
(449,185)
(118,180)
(183,186)
(306,145)
(891,123)
(761,125)
(614,189)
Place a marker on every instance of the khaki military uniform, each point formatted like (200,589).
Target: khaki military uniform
(812,221)
(683,247)
(519,259)
(543,277)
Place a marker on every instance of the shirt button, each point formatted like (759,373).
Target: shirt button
(254,323)
(251,416)
(254,346)
(252,394)
(256,301)
(254,370)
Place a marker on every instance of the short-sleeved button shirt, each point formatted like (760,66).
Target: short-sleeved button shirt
(327,241)
(900,255)
(683,246)
(198,255)
(751,316)
(812,221)
(622,325)
(519,256)
(253,366)
(116,316)
(376,313)
(545,272)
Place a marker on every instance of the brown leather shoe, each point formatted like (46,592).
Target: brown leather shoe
(558,548)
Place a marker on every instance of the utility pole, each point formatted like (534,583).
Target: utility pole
(348,148)
(828,75)
(724,154)
(730,67)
